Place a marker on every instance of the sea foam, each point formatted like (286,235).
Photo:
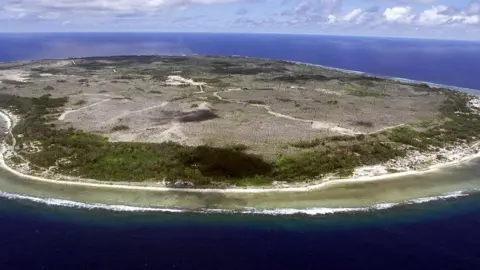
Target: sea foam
(315,211)
(91,206)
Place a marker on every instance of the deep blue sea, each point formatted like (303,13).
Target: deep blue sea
(440,234)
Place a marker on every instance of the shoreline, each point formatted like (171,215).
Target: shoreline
(77,181)
(472,91)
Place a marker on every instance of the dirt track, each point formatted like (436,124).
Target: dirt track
(216,102)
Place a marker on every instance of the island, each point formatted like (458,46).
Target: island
(226,123)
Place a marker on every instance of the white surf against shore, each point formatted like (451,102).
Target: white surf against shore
(315,211)
(357,72)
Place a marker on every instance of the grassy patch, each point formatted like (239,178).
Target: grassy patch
(245,70)
(180,97)
(284,99)
(299,78)
(80,102)
(259,102)
(341,160)
(308,144)
(217,82)
(390,170)
(366,93)
(128,77)
(13,82)
(16,160)
(367,124)
(120,128)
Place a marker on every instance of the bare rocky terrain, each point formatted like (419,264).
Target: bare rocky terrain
(201,121)
(218,101)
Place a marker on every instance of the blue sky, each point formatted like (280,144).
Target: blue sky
(445,19)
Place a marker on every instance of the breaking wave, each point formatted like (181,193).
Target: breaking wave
(255,211)
(92,206)
(398,79)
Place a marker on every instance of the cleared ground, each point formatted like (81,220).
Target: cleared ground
(263,104)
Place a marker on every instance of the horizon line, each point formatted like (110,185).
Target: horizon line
(244,33)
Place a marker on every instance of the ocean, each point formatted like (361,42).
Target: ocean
(427,234)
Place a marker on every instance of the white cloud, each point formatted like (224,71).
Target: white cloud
(302,7)
(241,11)
(353,15)
(142,6)
(325,7)
(472,19)
(438,15)
(418,1)
(399,14)
(331,19)
(328,6)
(474,8)
(434,15)
(383,15)
(49,16)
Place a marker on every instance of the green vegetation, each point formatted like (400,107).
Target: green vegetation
(366,93)
(93,64)
(120,128)
(390,170)
(233,69)
(332,102)
(92,156)
(87,155)
(127,77)
(216,82)
(341,159)
(308,144)
(13,82)
(459,125)
(54,71)
(258,102)
(80,102)
(180,97)
(367,124)
(284,99)
(16,159)
(296,78)
(347,152)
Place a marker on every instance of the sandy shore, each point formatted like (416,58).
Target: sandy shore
(10,120)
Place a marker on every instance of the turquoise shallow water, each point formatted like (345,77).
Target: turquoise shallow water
(454,181)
